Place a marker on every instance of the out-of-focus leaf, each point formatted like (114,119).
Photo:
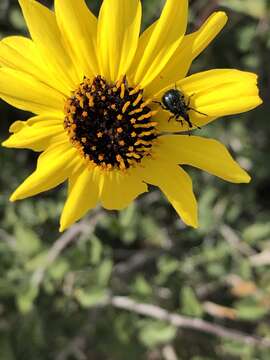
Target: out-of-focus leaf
(58,269)
(206,204)
(246,36)
(95,250)
(128,221)
(256,232)
(252,8)
(17,20)
(245,269)
(141,287)
(151,231)
(215,269)
(167,266)
(103,272)
(91,297)
(153,333)
(249,309)
(190,305)
(37,261)
(27,241)
(25,299)
(234,348)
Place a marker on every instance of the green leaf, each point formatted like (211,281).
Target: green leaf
(250,309)
(37,261)
(96,250)
(128,222)
(141,287)
(92,297)
(155,333)
(190,305)
(58,269)
(151,231)
(127,216)
(25,299)
(236,348)
(166,266)
(256,232)
(206,204)
(252,8)
(27,241)
(246,36)
(103,272)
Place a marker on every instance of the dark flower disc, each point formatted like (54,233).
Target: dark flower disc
(110,124)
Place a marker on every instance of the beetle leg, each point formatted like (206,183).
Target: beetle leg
(190,125)
(189,100)
(160,103)
(187,119)
(177,118)
(171,117)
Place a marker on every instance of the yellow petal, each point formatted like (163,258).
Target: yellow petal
(208,31)
(118,33)
(163,40)
(191,46)
(221,92)
(44,31)
(54,166)
(83,196)
(215,93)
(206,154)
(21,54)
(117,190)
(37,133)
(142,44)
(211,78)
(79,28)
(25,92)
(175,183)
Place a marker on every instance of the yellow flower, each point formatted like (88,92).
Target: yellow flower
(91,83)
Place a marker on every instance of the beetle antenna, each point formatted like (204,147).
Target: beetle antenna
(190,108)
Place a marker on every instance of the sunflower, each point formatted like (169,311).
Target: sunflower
(92,83)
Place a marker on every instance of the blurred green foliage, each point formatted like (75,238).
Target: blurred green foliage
(221,272)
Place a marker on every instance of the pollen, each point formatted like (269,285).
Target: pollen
(125,107)
(110,124)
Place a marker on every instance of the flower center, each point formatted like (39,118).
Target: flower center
(110,124)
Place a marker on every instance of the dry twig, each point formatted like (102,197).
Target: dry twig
(180,321)
(260,259)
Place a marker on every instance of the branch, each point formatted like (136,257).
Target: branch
(261,259)
(180,321)
(235,241)
(169,353)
